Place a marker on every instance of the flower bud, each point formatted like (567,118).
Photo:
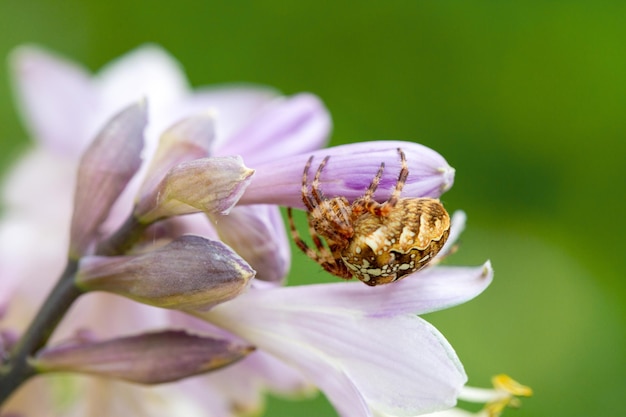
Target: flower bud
(149,358)
(105,169)
(212,185)
(350,171)
(186,140)
(190,273)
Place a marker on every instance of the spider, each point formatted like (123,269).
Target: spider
(377,243)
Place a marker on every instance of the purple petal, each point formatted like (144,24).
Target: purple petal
(257,234)
(55,97)
(398,365)
(150,358)
(235,106)
(104,170)
(350,171)
(287,126)
(423,292)
(189,273)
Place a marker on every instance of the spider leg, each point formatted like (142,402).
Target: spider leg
(330,262)
(404,173)
(324,254)
(306,197)
(365,203)
(385,208)
(298,240)
(374,184)
(315,186)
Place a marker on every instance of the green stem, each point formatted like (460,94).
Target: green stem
(17,369)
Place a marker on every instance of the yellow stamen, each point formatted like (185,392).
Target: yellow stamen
(511,390)
(506,383)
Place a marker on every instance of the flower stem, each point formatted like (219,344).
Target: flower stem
(123,239)
(17,370)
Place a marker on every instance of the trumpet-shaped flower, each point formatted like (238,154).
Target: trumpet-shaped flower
(64,107)
(366,348)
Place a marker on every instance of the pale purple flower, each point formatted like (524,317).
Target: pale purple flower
(64,107)
(365,348)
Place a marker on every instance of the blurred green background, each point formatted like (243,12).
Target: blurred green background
(527,100)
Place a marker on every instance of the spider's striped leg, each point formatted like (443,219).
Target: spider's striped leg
(365,203)
(404,173)
(369,193)
(298,240)
(306,198)
(315,186)
(337,267)
(385,208)
(330,262)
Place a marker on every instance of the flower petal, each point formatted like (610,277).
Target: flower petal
(235,106)
(287,126)
(399,364)
(350,171)
(55,97)
(189,273)
(241,385)
(148,358)
(148,71)
(257,233)
(105,169)
(423,292)
(29,232)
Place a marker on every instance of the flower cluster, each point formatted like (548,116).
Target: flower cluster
(158,207)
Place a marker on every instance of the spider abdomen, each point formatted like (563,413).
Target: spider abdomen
(385,248)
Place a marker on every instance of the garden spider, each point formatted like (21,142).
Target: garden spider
(377,243)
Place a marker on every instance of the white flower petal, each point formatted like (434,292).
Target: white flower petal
(55,97)
(29,232)
(425,291)
(400,365)
(147,71)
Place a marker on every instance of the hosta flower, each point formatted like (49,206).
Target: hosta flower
(216,163)
(65,108)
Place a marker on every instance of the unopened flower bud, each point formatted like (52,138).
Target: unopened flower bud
(105,169)
(186,140)
(150,358)
(349,172)
(190,273)
(212,185)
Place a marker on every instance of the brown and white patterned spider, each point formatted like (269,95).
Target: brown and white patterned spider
(375,242)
